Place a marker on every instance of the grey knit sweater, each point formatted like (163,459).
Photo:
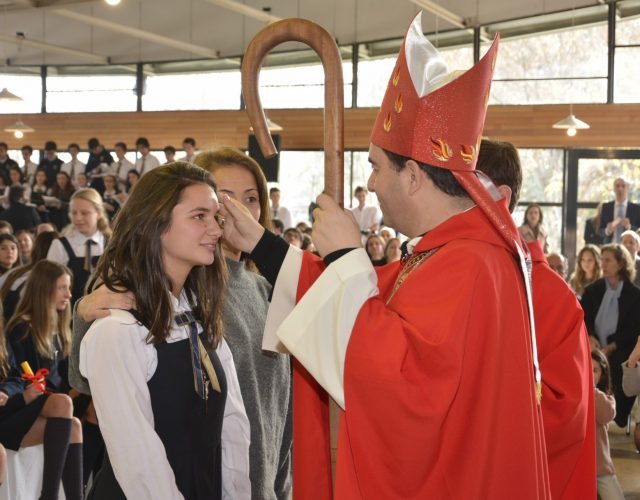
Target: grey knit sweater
(265,383)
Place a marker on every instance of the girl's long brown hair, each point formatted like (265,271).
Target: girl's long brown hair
(578,279)
(37,310)
(39,252)
(4,357)
(133,257)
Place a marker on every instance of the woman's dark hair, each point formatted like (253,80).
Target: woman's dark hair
(605,379)
(442,178)
(623,258)
(536,229)
(39,252)
(20,173)
(133,257)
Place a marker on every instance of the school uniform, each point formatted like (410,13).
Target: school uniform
(14,294)
(16,416)
(163,440)
(74,251)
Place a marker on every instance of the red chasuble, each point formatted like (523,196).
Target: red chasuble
(439,382)
(567,383)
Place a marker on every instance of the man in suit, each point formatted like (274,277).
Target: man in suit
(619,215)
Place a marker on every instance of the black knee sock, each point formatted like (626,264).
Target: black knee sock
(72,473)
(92,449)
(55,443)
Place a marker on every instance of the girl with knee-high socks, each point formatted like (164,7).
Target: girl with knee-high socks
(27,415)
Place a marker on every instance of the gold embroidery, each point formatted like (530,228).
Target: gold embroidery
(413,263)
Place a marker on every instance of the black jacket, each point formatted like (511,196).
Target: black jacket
(633,214)
(628,316)
(20,216)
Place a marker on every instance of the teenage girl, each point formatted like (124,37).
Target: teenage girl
(8,252)
(82,241)
(39,334)
(605,405)
(158,383)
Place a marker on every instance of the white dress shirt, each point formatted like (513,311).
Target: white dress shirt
(29,170)
(282,213)
(367,216)
(147,163)
(120,168)
(118,362)
(57,252)
(73,168)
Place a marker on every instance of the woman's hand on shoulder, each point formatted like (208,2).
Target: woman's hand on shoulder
(97,304)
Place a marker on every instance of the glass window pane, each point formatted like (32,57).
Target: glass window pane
(361,173)
(26,86)
(628,31)
(548,91)
(374,74)
(552,223)
(583,215)
(574,52)
(299,86)
(596,176)
(70,94)
(542,175)
(193,91)
(627,75)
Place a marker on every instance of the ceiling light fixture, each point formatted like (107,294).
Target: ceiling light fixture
(571,124)
(5,95)
(113,3)
(19,128)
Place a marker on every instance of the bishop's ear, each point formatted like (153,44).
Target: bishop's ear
(414,176)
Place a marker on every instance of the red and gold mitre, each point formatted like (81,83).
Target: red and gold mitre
(430,114)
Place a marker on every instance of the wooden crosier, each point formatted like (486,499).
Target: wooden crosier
(301,30)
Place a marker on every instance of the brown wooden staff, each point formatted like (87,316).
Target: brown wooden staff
(301,30)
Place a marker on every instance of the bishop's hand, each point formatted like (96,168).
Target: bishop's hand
(241,230)
(334,228)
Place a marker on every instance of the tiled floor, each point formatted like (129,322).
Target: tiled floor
(626,460)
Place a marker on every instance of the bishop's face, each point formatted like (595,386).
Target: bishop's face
(385,181)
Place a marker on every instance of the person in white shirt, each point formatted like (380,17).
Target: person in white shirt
(169,154)
(121,167)
(189,146)
(147,161)
(619,215)
(162,377)
(29,168)
(279,212)
(74,166)
(367,216)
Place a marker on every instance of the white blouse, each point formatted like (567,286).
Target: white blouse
(118,362)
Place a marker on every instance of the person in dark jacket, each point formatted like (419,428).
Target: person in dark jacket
(612,315)
(19,215)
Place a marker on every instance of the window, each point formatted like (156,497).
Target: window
(299,86)
(69,94)
(28,87)
(192,91)
(552,67)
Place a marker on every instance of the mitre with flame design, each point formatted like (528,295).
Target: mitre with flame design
(429,113)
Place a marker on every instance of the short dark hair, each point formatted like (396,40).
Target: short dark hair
(73,145)
(142,141)
(189,140)
(50,146)
(360,189)
(93,143)
(27,147)
(15,194)
(442,178)
(4,145)
(500,161)
(169,149)
(294,230)
(277,224)
(274,190)
(121,145)
(7,224)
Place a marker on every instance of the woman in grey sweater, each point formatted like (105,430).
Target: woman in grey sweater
(265,377)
